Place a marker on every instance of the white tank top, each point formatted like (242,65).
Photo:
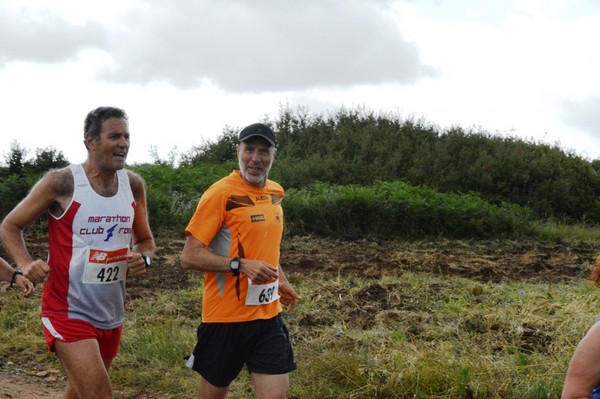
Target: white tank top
(88,246)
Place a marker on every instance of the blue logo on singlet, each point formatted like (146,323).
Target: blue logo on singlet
(110,232)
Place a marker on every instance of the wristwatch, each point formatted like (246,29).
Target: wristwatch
(13,280)
(234,265)
(147,260)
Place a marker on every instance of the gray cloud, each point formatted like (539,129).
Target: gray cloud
(238,45)
(584,115)
(44,37)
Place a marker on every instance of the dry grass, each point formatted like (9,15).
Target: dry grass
(377,320)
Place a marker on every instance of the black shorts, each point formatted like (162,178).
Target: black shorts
(264,346)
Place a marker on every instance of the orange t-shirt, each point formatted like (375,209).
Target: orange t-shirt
(234,219)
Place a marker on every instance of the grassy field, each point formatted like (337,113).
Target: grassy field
(446,319)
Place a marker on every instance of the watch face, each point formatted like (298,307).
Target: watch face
(235,264)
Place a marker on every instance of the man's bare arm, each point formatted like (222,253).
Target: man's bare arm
(51,193)
(143,240)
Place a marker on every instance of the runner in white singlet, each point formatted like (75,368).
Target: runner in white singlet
(98,236)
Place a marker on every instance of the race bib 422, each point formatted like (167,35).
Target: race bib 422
(105,266)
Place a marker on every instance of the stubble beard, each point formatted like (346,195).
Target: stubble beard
(255,180)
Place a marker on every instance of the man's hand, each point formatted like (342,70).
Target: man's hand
(24,285)
(136,267)
(287,295)
(36,271)
(258,271)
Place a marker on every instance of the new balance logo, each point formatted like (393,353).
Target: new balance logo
(99,256)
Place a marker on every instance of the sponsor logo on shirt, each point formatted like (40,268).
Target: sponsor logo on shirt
(100,231)
(110,232)
(102,256)
(257,218)
(96,227)
(109,219)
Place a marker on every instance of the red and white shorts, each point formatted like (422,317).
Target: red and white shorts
(72,330)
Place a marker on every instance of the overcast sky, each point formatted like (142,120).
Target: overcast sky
(186,69)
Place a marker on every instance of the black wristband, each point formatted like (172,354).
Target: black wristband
(13,279)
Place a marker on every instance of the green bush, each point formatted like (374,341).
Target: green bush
(358,146)
(173,193)
(397,210)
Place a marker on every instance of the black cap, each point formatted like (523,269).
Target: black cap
(258,130)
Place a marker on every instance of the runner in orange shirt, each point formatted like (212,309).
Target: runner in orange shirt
(234,237)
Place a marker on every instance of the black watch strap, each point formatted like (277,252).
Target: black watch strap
(13,280)
(234,266)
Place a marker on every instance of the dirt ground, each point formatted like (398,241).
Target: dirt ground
(23,387)
(485,261)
